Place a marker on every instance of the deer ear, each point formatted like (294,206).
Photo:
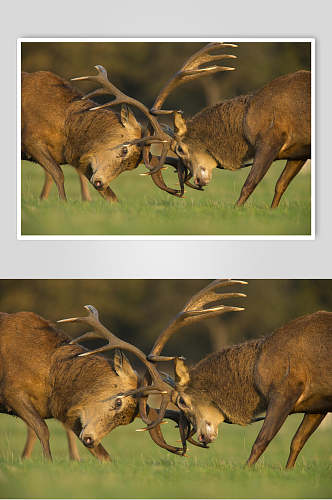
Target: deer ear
(180,127)
(127,117)
(122,366)
(182,376)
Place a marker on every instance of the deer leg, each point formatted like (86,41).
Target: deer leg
(100,453)
(29,444)
(291,169)
(279,408)
(109,195)
(42,156)
(84,186)
(47,186)
(308,425)
(264,157)
(27,412)
(72,445)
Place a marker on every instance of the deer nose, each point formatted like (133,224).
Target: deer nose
(98,184)
(88,441)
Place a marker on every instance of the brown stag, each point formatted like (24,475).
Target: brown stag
(273,123)
(286,372)
(43,375)
(59,125)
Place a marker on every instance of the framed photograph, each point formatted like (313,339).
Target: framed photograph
(166,138)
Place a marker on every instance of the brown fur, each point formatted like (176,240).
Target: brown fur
(289,371)
(58,128)
(41,377)
(270,124)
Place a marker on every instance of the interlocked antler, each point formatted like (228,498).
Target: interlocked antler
(158,386)
(202,305)
(191,70)
(159,136)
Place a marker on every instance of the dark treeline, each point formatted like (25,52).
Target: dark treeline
(140,69)
(137,310)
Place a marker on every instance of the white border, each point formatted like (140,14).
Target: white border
(171,237)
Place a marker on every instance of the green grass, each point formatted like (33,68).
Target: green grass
(142,470)
(146,210)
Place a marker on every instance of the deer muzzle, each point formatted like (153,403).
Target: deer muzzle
(207,433)
(202,177)
(87,439)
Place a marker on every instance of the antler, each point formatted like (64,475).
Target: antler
(202,305)
(159,136)
(158,385)
(199,307)
(113,342)
(191,70)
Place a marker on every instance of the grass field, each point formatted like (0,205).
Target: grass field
(142,470)
(146,210)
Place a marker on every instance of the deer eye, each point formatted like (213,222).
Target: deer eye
(118,403)
(124,151)
(181,402)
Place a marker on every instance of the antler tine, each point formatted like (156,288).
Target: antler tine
(191,70)
(121,98)
(113,342)
(197,308)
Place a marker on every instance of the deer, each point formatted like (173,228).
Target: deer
(272,123)
(46,374)
(43,375)
(286,372)
(60,125)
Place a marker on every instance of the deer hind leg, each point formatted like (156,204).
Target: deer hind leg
(265,155)
(47,186)
(27,412)
(84,186)
(29,444)
(100,453)
(72,445)
(42,156)
(279,408)
(308,425)
(291,169)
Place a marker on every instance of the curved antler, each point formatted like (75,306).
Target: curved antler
(158,385)
(159,136)
(191,70)
(204,304)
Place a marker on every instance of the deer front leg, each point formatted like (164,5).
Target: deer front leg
(84,186)
(308,425)
(100,453)
(280,406)
(72,445)
(265,155)
(109,195)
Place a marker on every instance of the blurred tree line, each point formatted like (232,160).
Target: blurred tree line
(138,310)
(140,69)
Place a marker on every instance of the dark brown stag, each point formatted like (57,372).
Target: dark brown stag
(287,372)
(273,123)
